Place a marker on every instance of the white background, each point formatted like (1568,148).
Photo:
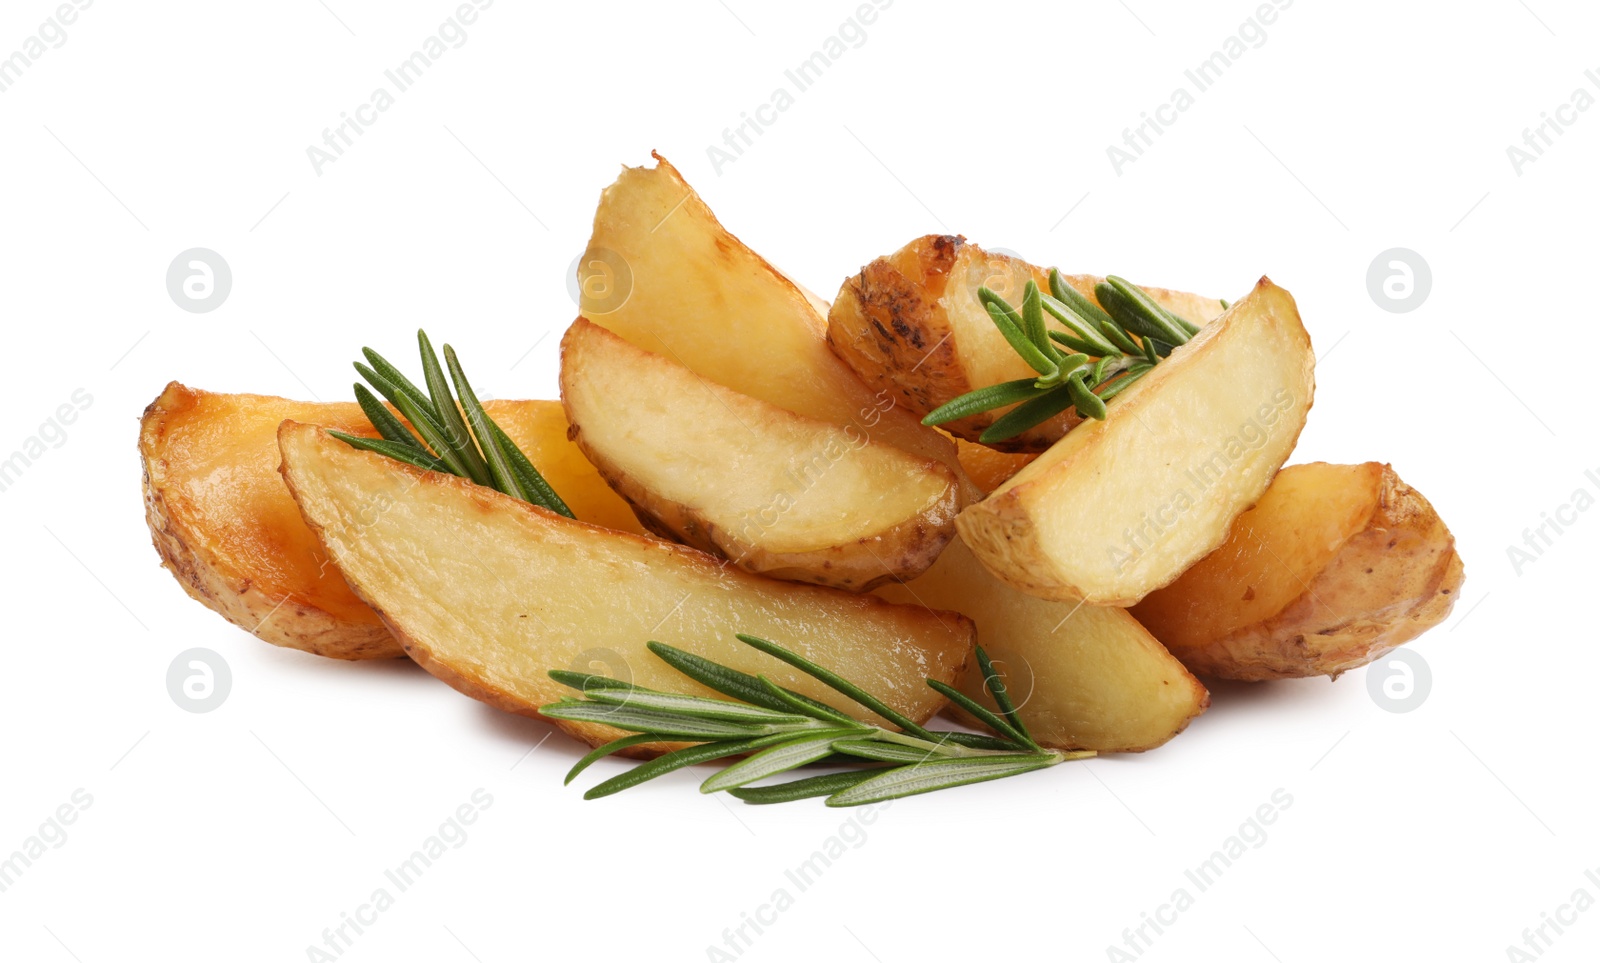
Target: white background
(241,833)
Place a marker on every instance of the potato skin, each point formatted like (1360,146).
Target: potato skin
(892,323)
(1395,577)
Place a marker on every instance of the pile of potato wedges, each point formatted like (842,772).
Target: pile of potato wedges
(742,456)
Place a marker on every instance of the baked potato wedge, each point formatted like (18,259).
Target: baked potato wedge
(1336,565)
(1120,507)
(661,272)
(226,528)
(490,593)
(911,325)
(774,492)
(1085,676)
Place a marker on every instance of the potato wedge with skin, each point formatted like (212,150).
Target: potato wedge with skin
(1084,676)
(1120,507)
(661,272)
(777,493)
(490,593)
(1336,565)
(911,324)
(226,528)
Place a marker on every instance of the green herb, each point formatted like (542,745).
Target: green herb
(1128,332)
(783,730)
(459,438)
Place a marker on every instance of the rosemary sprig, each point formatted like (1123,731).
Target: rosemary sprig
(1127,334)
(782,730)
(456,437)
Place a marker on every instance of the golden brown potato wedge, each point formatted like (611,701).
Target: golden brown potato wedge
(775,492)
(662,272)
(989,468)
(1085,676)
(227,529)
(490,593)
(911,325)
(1121,507)
(1336,565)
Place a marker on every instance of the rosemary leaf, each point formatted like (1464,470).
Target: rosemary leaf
(1084,328)
(1069,296)
(421,418)
(808,788)
(775,760)
(983,399)
(1018,339)
(1028,414)
(730,682)
(673,761)
(940,774)
(500,470)
(1002,695)
(1033,321)
(974,740)
(808,707)
(405,453)
(444,407)
(600,752)
(1067,340)
(393,376)
(668,724)
(390,427)
(880,751)
(835,682)
(533,483)
(1138,312)
(1089,404)
(585,682)
(983,713)
(697,706)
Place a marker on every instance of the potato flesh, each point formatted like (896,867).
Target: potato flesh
(1336,565)
(228,529)
(1121,507)
(701,297)
(1272,553)
(490,594)
(771,490)
(1084,677)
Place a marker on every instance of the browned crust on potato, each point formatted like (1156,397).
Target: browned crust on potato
(283,621)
